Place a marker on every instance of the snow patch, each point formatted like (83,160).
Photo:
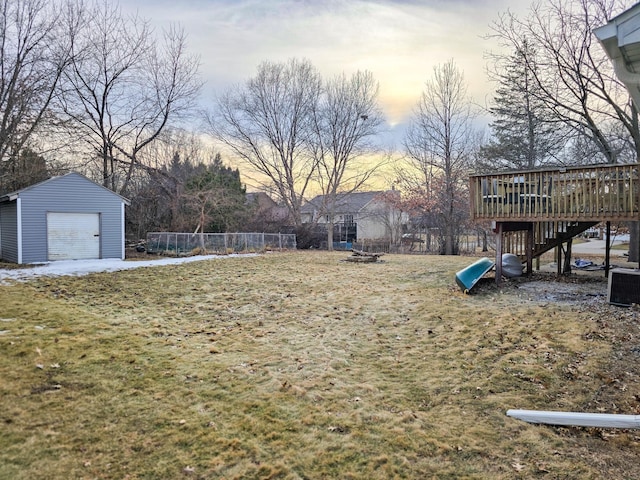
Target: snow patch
(85,267)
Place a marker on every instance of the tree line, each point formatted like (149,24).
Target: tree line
(85,87)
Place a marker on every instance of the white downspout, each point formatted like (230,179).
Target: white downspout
(577,419)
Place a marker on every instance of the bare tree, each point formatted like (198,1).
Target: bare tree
(345,123)
(124,88)
(439,144)
(572,75)
(267,124)
(34,51)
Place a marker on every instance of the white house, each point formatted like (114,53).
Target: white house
(360,216)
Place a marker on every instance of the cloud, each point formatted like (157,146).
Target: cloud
(399,41)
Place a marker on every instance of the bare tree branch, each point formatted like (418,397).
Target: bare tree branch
(267,123)
(125,87)
(34,51)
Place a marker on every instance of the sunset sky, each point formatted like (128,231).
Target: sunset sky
(399,41)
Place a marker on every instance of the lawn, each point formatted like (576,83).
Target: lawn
(300,366)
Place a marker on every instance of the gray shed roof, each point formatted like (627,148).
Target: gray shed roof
(8,197)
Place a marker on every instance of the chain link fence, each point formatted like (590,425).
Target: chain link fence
(170,243)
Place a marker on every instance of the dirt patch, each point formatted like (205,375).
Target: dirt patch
(573,289)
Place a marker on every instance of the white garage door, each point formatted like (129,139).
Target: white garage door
(73,236)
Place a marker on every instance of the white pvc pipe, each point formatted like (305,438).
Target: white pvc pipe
(604,420)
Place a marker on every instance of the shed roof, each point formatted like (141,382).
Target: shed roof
(8,197)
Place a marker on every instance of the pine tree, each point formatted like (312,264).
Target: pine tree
(525,133)
(215,195)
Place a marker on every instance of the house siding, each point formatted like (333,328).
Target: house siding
(9,231)
(370,229)
(71,193)
(375,218)
(373,222)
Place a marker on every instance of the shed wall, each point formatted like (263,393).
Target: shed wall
(9,229)
(69,194)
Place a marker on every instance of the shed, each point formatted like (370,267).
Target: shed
(63,218)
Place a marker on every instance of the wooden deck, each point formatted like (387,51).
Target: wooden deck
(585,194)
(538,210)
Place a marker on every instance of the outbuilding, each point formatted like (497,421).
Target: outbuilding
(63,218)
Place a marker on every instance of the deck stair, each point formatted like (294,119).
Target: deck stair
(547,236)
(564,231)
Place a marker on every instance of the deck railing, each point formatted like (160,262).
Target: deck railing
(568,194)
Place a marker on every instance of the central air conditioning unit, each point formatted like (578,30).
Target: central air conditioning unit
(624,287)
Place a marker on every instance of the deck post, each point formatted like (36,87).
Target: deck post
(566,269)
(530,246)
(559,259)
(607,250)
(499,229)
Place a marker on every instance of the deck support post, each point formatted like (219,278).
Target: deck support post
(566,269)
(607,250)
(499,230)
(530,247)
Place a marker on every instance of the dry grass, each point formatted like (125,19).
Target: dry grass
(298,365)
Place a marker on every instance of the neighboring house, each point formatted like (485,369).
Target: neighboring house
(267,216)
(64,218)
(358,216)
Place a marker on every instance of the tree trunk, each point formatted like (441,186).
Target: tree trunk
(567,258)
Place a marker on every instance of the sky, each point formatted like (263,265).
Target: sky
(399,41)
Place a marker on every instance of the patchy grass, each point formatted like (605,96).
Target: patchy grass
(298,365)
(620,246)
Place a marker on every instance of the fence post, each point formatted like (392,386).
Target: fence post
(279,241)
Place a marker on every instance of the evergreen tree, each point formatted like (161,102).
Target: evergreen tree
(187,196)
(525,132)
(22,170)
(216,195)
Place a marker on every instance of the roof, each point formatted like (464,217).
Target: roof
(620,38)
(8,197)
(267,207)
(345,203)
(261,199)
